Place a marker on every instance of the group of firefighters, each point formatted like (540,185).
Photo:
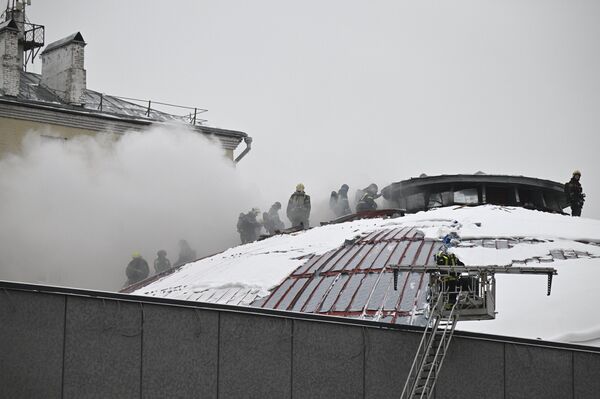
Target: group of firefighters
(298,211)
(138,270)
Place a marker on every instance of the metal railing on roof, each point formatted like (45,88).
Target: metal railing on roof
(149,108)
(33,35)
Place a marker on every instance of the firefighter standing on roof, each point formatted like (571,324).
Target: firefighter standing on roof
(367,201)
(161,263)
(137,269)
(248,226)
(298,209)
(575,195)
(186,253)
(271,219)
(339,202)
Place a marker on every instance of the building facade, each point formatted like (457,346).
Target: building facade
(57,104)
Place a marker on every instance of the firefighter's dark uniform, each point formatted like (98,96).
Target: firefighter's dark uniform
(248,227)
(186,253)
(298,208)
(575,195)
(451,279)
(366,203)
(137,270)
(271,219)
(161,263)
(343,205)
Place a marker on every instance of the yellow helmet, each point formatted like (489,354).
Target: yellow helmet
(576,173)
(300,187)
(136,255)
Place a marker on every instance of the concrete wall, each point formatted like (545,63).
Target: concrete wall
(74,346)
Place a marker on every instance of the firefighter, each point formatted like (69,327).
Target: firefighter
(343,205)
(186,253)
(298,208)
(271,219)
(137,269)
(161,263)
(333,202)
(574,193)
(367,201)
(450,279)
(248,226)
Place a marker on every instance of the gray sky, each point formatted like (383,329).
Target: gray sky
(354,91)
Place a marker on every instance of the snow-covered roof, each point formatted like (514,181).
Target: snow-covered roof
(340,270)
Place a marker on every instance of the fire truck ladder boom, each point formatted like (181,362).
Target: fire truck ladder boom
(431,353)
(445,312)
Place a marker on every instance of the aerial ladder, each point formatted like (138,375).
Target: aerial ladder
(455,293)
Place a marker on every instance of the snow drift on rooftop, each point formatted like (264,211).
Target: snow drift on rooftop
(524,309)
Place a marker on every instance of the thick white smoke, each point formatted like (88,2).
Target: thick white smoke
(73,211)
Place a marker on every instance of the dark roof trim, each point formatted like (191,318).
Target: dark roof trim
(414,184)
(110,117)
(74,38)
(9,25)
(72,110)
(221,132)
(7,285)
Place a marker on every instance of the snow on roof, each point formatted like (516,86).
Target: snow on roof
(299,272)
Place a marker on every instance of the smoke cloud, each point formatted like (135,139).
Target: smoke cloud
(74,211)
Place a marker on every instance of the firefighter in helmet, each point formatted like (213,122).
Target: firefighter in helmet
(298,208)
(367,201)
(574,193)
(137,269)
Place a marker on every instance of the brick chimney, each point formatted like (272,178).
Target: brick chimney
(62,68)
(10,60)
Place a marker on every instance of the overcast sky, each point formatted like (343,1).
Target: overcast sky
(356,91)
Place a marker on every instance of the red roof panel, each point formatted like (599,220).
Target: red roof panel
(354,280)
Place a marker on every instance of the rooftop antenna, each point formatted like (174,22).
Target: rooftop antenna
(31,36)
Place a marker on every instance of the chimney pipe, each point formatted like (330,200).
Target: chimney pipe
(10,61)
(62,69)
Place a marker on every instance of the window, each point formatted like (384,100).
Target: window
(466,196)
(437,200)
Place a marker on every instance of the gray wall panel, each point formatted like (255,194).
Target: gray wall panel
(31,344)
(472,369)
(254,356)
(180,352)
(185,352)
(388,357)
(103,349)
(587,375)
(328,361)
(534,372)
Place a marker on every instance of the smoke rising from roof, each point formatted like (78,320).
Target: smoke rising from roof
(74,211)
